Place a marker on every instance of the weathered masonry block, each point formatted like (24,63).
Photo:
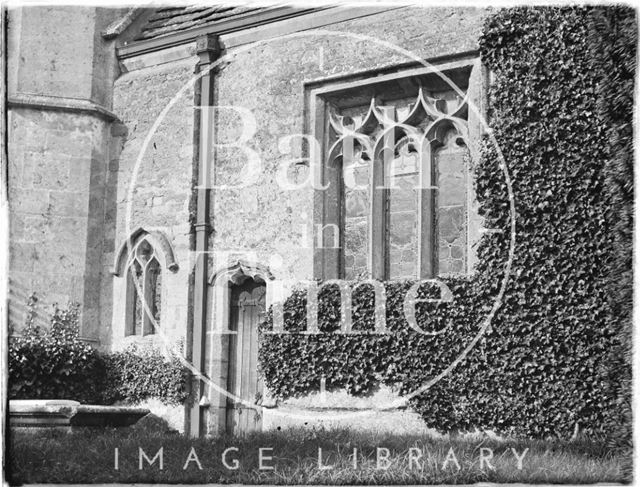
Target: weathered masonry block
(59,131)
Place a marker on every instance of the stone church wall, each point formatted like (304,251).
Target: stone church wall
(152,180)
(262,222)
(59,95)
(81,182)
(269,81)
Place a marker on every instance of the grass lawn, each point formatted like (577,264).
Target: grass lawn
(292,457)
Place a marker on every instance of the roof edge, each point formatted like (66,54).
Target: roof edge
(254,19)
(119,26)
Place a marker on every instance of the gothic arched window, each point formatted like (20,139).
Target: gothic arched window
(141,261)
(403,197)
(144,290)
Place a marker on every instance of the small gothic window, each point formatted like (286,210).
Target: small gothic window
(144,284)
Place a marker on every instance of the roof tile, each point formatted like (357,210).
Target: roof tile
(167,20)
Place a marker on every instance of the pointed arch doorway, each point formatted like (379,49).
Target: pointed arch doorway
(240,301)
(246,310)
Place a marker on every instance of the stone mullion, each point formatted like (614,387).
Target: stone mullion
(378,215)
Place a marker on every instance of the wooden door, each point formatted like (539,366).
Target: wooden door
(247,307)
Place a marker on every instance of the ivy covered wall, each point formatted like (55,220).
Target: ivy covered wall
(613,40)
(544,366)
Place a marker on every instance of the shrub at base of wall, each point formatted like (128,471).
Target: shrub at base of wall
(543,367)
(135,376)
(57,364)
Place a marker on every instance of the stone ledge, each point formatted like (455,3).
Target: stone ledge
(56,103)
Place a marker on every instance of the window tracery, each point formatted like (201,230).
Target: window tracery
(394,156)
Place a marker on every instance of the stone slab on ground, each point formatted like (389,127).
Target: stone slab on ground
(39,413)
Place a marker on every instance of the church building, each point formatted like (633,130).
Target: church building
(175,169)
